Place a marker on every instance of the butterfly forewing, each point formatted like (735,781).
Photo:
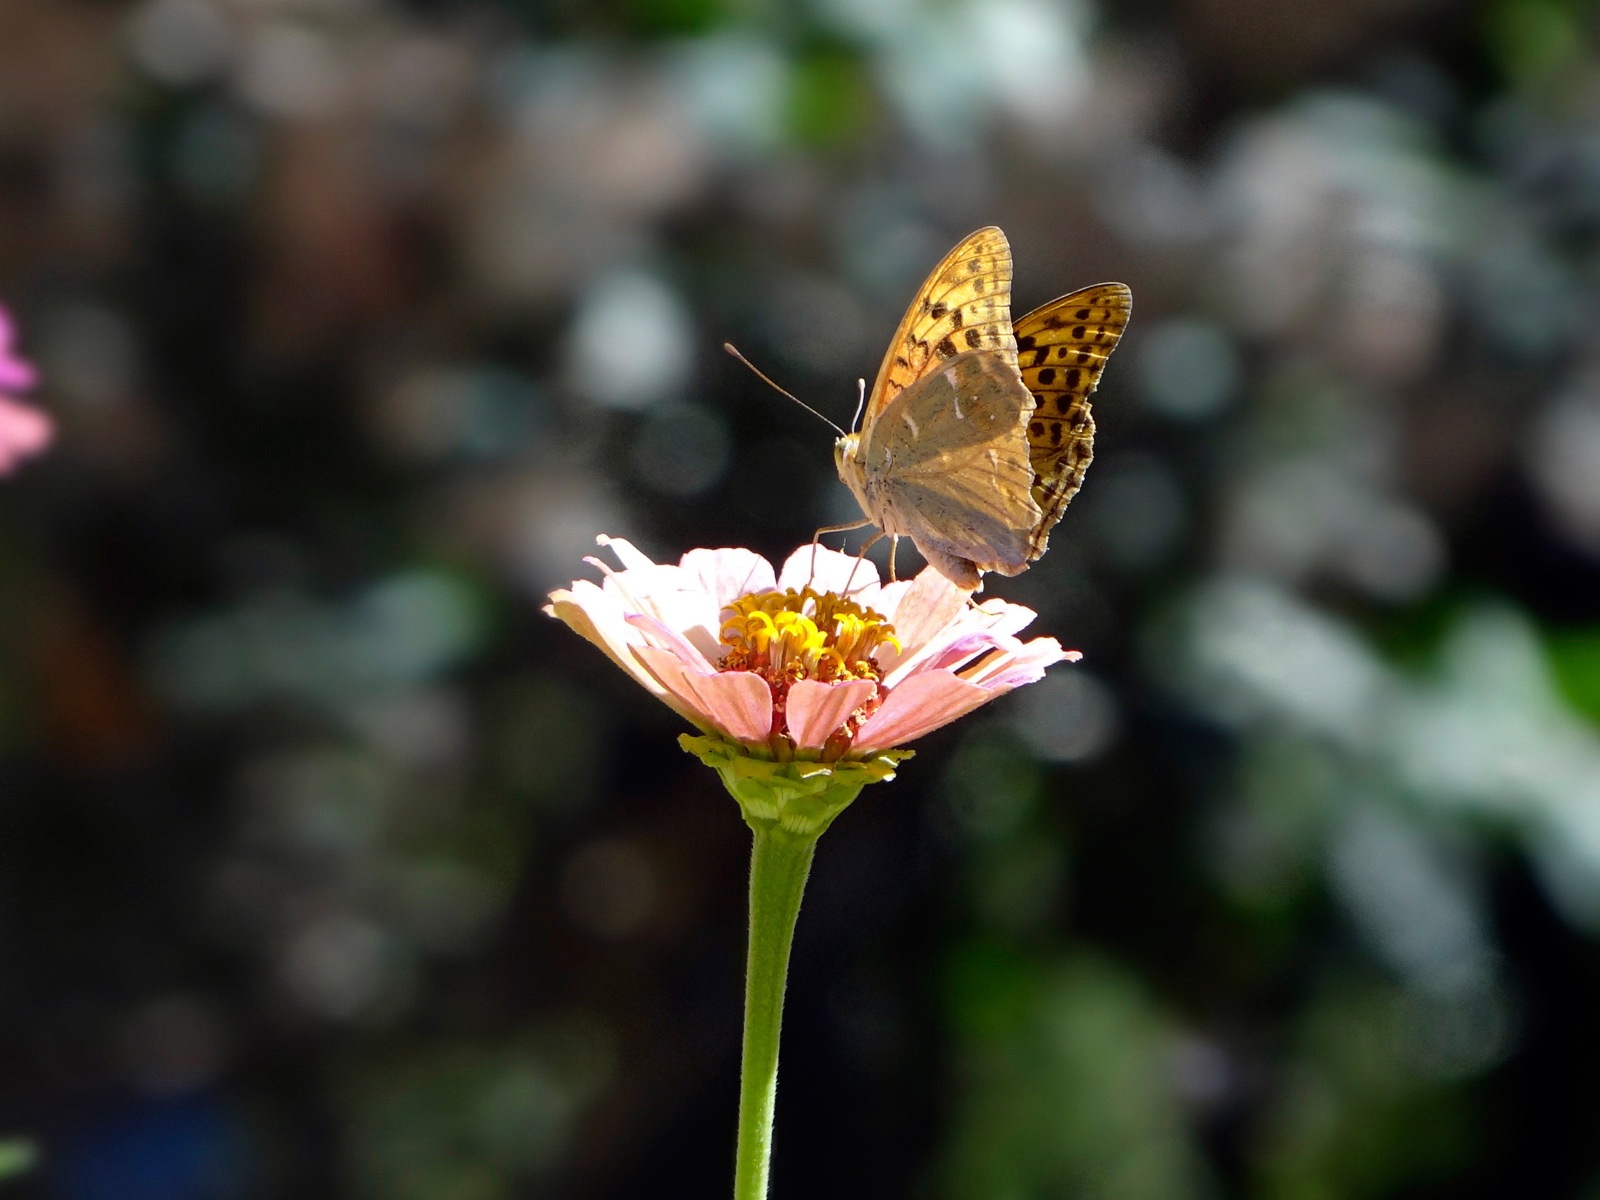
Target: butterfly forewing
(965,304)
(1061,349)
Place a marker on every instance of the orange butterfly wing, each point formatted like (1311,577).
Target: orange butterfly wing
(965,304)
(1062,347)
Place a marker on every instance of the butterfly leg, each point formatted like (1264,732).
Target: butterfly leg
(894,544)
(830,529)
(865,546)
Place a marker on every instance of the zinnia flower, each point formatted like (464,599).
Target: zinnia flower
(24,431)
(805,684)
(817,662)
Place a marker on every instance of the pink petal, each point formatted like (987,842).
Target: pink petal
(737,703)
(817,710)
(996,618)
(658,634)
(727,574)
(1024,665)
(954,655)
(16,375)
(24,432)
(830,572)
(919,705)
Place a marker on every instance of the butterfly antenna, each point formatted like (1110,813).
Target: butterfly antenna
(861,403)
(729,347)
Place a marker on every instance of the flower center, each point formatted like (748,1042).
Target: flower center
(788,636)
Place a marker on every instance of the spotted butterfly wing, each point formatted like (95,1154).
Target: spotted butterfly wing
(964,447)
(1062,347)
(941,457)
(965,304)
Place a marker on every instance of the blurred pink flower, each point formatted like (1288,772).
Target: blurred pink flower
(789,665)
(24,431)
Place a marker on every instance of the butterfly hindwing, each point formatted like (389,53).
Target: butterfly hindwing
(1062,347)
(948,465)
(964,305)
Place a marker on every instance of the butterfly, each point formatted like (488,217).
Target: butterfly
(977,432)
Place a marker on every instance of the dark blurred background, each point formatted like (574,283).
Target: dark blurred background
(331,868)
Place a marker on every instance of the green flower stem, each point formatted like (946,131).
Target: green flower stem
(780,861)
(788,806)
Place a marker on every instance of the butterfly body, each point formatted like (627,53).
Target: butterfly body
(967,447)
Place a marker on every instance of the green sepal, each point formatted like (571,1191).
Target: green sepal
(800,796)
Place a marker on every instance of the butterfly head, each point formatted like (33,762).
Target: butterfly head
(852,470)
(845,450)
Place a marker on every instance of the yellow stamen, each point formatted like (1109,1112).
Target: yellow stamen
(804,635)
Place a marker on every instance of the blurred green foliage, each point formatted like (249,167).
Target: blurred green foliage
(1066,1087)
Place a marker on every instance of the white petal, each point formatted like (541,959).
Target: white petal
(660,592)
(666,638)
(930,605)
(596,617)
(830,571)
(727,574)
(1004,617)
(630,557)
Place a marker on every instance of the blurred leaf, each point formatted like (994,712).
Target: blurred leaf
(1356,1115)
(1575,658)
(1017,885)
(1066,1083)
(830,100)
(670,18)
(17,1157)
(993,786)
(1534,40)
(467,1121)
